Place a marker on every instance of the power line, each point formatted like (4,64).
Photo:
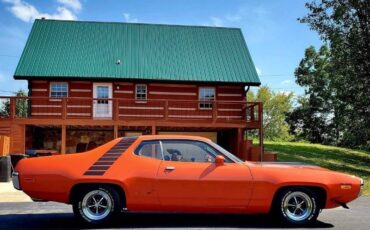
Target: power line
(7,55)
(7,91)
(277,75)
(286,87)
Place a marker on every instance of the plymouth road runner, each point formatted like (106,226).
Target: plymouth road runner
(168,173)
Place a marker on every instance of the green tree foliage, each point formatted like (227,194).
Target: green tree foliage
(345,26)
(314,117)
(21,106)
(275,107)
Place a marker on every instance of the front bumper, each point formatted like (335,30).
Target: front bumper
(362,186)
(15,180)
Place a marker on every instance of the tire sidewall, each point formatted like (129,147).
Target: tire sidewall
(311,218)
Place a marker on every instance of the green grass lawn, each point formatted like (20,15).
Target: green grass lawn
(355,162)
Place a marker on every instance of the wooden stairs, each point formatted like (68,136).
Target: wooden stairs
(251,152)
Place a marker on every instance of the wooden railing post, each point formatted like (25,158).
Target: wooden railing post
(63,139)
(64,108)
(12,108)
(166,110)
(115,109)
(260,118)
(252,112)
(214,111)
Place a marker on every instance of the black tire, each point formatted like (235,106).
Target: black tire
(109,207)
(296,207)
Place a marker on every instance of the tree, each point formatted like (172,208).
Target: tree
(21,106)
(345,26)
(275,107)
(314,118)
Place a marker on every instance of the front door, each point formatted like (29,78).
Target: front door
(102,105)
(188,179)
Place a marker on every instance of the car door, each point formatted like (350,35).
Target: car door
(188,179)
(143,171)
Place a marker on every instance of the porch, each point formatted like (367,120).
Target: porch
(152,116)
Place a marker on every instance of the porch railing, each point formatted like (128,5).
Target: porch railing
(128,109)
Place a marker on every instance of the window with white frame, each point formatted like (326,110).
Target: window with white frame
(58,89)
(140,92)
(206,96)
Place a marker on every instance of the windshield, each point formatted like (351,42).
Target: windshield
(226,153)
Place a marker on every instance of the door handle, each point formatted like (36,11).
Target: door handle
(170,168)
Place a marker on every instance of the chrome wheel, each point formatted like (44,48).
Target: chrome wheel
(297,206)
(96,205)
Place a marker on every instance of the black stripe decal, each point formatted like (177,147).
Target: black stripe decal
(103,163)
(99,167)
(112,154)
(108,158)
(94,173)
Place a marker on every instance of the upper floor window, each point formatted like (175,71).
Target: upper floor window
(141,92)
(206,96)
(58,89)
(150,149)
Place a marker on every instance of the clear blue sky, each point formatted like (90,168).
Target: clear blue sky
(274,37)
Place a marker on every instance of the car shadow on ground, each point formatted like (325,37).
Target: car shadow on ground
(67,221)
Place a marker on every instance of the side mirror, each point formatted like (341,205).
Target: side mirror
(220,160)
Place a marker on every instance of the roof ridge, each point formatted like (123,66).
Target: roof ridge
(140,23)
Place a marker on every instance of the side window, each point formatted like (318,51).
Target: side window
(150,149)
(206,96)
(140,92)
(188,151)
(58,89)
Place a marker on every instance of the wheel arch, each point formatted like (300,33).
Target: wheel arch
(321,192)
(79,187)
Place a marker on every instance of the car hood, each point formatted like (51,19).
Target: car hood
(286,165)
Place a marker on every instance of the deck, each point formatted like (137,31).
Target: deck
(127,112)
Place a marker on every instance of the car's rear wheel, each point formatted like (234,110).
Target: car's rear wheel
(97,204)
(297,206)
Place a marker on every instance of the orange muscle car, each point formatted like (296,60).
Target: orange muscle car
(168,173)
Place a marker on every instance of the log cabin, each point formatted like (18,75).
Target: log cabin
(90,82)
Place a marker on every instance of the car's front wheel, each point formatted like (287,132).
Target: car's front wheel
(297,206)
(97,204)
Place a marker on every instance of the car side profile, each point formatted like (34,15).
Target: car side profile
(168,173)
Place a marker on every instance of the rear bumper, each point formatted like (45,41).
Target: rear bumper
(15,180)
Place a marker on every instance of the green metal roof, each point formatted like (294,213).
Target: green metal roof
(76,49)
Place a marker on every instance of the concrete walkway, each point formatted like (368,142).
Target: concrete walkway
(9,194)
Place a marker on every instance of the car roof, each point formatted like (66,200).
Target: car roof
(177,137)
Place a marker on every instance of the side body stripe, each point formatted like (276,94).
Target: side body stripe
(107,159)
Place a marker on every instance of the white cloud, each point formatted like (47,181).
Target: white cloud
(259,71)
(73,4)
(27,12)
(216,21)
(285,82)
(128,18)
(286,92)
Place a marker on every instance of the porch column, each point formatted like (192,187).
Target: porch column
(63,141)
(115,131)
(154,130)
(239,139)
